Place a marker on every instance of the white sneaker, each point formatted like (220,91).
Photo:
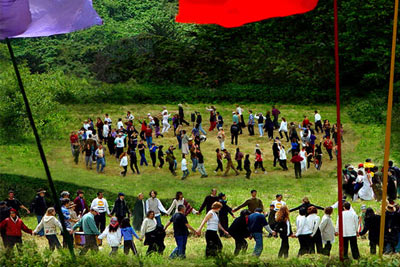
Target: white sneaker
(255,171)
(215,172)
(265,172)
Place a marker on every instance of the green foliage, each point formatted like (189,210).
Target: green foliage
(369,110)
(13,118)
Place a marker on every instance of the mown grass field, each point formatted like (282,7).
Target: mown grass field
(361,142)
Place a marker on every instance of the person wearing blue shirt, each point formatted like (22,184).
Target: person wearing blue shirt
(250,123)
(67,218)
(153,149)
(257,222)
(127,232)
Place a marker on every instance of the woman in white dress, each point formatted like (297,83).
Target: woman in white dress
(366,192)
(303,163)
(165,122)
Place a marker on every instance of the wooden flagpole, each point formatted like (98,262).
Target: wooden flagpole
(388,129)
(339,128)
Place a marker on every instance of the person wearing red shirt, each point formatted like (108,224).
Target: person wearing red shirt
(13,227)
(149,136)
(296,159)
(306,122)
(73,139)
(328,144)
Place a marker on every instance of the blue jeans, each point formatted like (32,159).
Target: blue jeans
(180,250)
(143,160)
(202,130)
(102,162)
(149,140)
(185,174)
(258,248)
(158,219)
(194,166)
(261,129)
(39,219)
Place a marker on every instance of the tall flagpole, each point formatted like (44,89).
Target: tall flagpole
(41,151)
(339,128)
(388,128)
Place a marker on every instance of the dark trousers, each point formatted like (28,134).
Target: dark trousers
(318,125)
(259,164)
(223,220)
(353,245)
(214,245)
(287,137)
(316,242)
(239,166)
(219,167)
(90,243)
(182,121)
(282,163)
(143,159)
(65,243)
(53,242)
(327,248)
(372,247)
(161,160)
(120,150)
(171,167)
(100,221)
(240,245)
(124,171)
(129,245)
(297,169)
(275,122)
(329,153)
(248,172)
(153,158)
(132,164)
(284,250)
(234,137)
(276,159)
(309,160)
(270,133)
(304,241)
(11,241)
(251,129)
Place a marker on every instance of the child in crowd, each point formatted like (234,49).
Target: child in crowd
(113,235)
(127,232)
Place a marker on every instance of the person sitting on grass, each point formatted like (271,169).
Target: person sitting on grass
(13,227)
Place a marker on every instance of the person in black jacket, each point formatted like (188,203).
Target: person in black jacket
(372,225)
(199,121)
(209,200)
(306,204)
(235,129)
(275,151)
(239,231)
(4,214)
(391,229)
(181,115)
(284,229)
(39,207)
(247,166)
(223,213)
(120,209)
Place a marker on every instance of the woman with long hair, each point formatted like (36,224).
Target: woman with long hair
(313,222)
(179,200)
(284,128)
(284,229)
(50,224)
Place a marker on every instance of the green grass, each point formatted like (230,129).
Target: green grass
(361,142)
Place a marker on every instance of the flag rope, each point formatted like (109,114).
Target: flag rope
(388,129)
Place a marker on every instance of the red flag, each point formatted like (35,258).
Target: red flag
(234,13)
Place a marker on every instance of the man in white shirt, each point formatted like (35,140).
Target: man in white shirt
(86,125)
(119,141)
(303,232)
(184,167)
(278,203)
(129,116)
(318,122)
(120,124)
(108,119)
(350,231)
(100,204)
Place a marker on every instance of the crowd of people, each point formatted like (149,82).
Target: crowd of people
(131,136)
(143,222)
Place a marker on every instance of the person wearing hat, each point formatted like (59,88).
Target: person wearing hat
(350,231)
(223,213)
(81,206)
(120,209)
(101,205)
(182,115)
(14,203)
(13,227)
(90,230)
(39,207)
(113,235)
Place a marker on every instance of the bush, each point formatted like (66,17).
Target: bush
(371,110)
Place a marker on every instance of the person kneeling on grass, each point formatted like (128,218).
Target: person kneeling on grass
(50,224)
(181,226)
(127,233)
(113,234)
(13,227)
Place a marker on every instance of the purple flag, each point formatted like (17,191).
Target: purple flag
(34,18)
